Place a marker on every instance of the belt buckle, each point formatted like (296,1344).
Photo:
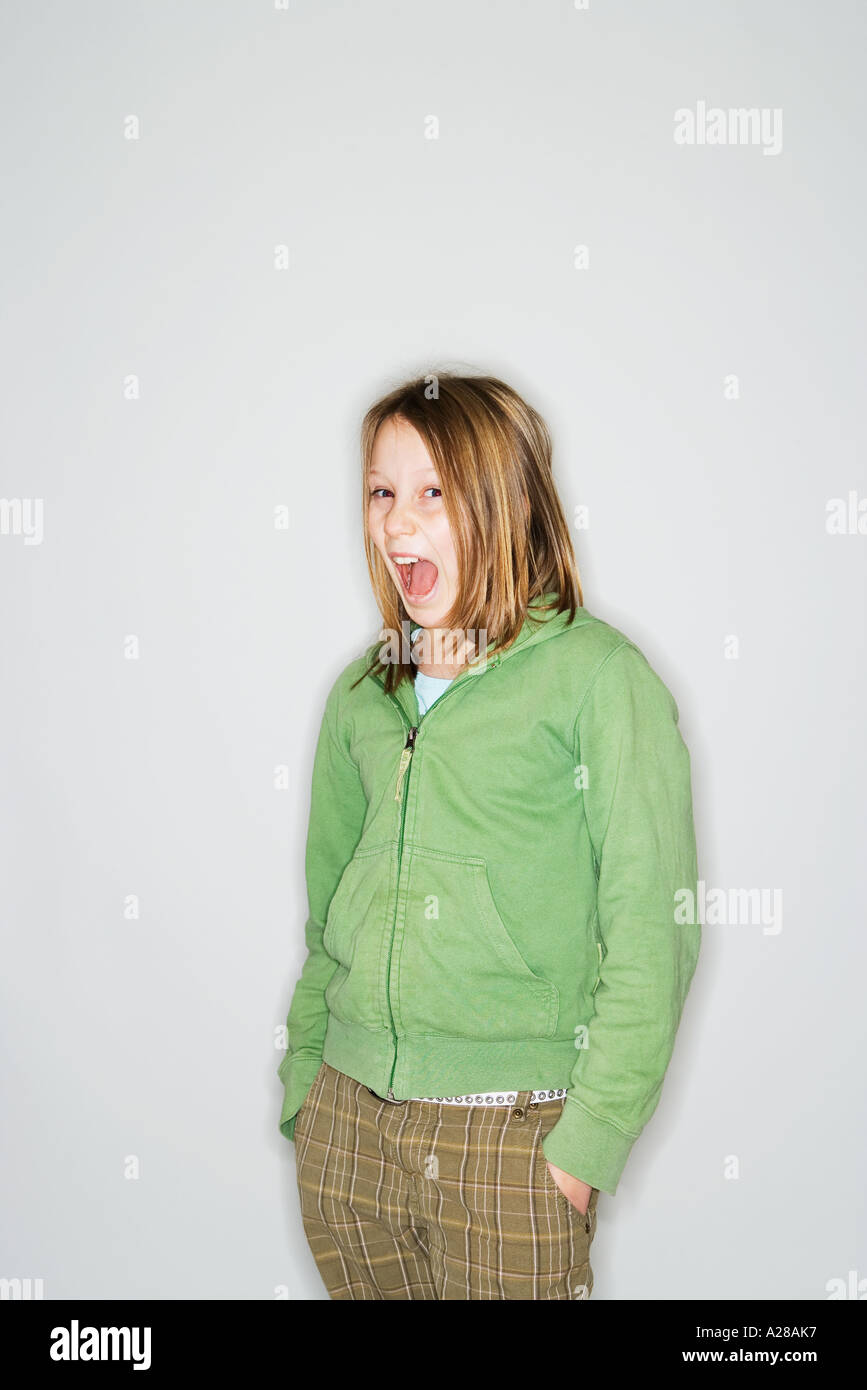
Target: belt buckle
(389,1100)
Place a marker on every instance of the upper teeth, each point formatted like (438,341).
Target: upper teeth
(404,559)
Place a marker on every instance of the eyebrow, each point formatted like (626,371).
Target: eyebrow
(424,471)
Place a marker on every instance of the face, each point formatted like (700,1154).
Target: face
(407,517)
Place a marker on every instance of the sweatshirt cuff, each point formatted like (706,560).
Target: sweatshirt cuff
(588,1148)
(297,1071)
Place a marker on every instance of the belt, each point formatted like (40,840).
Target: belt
(481,1098)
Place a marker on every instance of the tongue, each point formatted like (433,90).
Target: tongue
(422,578)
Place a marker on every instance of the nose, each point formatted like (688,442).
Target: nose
(399,521)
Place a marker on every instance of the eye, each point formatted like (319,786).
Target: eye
(433,488)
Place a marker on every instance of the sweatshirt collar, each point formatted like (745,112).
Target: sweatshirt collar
(540,624)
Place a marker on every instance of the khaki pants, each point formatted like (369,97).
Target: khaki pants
(422,1200)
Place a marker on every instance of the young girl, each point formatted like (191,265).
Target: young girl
(500,839)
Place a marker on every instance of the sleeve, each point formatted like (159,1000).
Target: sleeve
(638,809)
(337,810)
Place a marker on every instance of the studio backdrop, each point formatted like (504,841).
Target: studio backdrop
(227,227)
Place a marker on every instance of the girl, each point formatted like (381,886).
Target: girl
(500,865)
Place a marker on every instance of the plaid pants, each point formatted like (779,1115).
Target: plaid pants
(422,1200)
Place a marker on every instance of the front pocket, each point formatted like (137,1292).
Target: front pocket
(460,972)
(584,1218)
(307,1099)
(355,929)
(363,884)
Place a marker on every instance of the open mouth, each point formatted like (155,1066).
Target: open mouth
(417,576)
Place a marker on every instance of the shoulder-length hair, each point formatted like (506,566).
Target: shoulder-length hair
(493,456)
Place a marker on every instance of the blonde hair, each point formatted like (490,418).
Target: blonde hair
(493,455)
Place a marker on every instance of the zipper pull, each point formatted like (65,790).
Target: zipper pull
(598,968)
(404,759)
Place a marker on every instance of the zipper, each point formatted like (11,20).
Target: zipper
(405,757)
(401,796)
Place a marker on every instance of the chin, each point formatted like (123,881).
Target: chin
(426,616)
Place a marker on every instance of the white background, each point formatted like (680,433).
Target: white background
(155,258)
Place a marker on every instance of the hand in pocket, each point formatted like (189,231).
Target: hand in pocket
(573,1189)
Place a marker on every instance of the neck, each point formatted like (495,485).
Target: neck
(440,653)
(443,672)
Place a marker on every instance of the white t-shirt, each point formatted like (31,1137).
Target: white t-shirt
(428,689)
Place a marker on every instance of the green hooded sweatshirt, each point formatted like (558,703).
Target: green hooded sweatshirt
(503,891)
